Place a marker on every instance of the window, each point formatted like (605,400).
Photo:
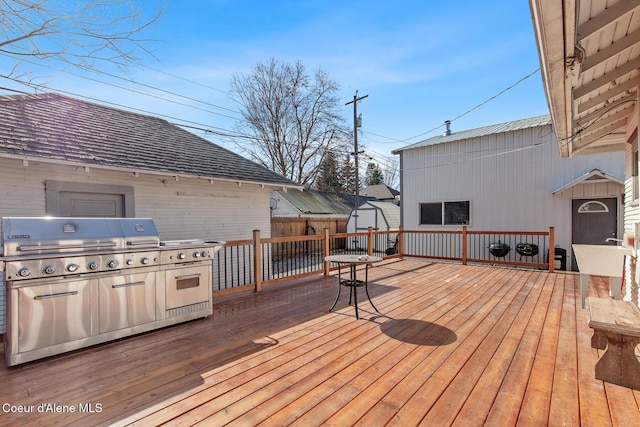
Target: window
(444,213)
(593,206)
(431,213)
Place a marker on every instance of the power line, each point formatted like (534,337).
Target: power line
(396,141)
(88,69)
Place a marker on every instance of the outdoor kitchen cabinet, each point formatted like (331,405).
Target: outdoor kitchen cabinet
(127,300)
(54,314)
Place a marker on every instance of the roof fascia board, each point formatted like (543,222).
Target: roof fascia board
(273,185)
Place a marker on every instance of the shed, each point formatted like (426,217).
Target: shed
(380,216)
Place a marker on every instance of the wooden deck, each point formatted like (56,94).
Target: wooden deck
(463,345)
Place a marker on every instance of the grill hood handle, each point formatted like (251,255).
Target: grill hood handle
(29,248)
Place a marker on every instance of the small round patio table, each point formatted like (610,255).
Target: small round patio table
(352,282)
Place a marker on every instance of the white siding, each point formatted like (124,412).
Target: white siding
(508,178)
(188,208)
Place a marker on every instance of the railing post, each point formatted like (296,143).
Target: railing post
(369,240)
(325,251)
(552,250)
(464,245)
(400,246)
(257,261)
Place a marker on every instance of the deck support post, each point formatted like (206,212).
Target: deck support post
(257,261)
(552,251)
(464,245)
(325,251)
(369,241)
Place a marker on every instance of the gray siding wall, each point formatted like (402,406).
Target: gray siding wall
(508,178)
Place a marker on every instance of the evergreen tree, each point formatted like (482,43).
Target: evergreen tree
(328,175)
(374,175)
(348,176)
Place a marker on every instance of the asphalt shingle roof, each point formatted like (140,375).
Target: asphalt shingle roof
(58,127)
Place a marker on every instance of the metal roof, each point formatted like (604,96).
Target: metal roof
(63,129)
(482,131)
(316,202)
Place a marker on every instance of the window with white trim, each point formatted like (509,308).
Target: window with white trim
(593,206)
(444,213)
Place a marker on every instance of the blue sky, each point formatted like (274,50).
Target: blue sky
(420,62)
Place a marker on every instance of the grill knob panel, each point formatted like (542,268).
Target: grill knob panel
(112,263)
(71,268)
(24,272)
(92,265)
(49,269)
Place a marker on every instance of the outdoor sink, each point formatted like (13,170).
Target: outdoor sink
(600,260)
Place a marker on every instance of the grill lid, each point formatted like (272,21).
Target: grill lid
(24,236)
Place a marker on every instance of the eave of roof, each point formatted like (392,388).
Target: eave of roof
(593,177)
(589,52)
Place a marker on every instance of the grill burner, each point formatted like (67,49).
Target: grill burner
(499,250)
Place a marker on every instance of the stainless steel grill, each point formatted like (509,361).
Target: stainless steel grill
(74,282)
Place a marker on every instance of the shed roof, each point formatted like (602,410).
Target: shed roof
(390,211)
(316,202)
(482,131)
(59,128)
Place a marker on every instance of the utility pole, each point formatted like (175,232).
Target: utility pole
(356,152)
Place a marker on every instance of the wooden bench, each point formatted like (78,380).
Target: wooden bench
(616,326)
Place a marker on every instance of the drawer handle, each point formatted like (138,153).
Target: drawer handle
(60,294)
(188,276)
(128,284)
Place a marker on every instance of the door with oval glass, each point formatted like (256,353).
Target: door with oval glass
(593,221)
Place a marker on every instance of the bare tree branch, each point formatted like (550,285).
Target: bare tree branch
(77,33)
(294,119)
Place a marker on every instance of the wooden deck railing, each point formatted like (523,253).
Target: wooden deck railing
(237,267)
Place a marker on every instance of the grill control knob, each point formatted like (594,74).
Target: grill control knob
(24,272)
(204,254)
(71,268)
(112,263)
(181,255)
(49,269)
(196,254)
(129,262)
(92,265)
(144,260)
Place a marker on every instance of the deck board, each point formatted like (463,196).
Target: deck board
(454,345)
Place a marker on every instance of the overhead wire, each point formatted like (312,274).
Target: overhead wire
(395,140)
